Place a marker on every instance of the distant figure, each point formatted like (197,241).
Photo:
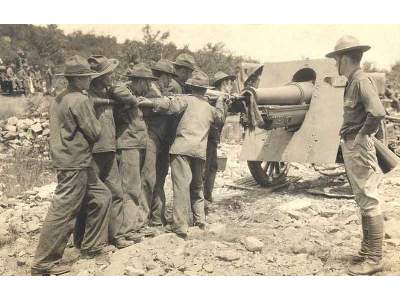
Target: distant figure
(49,79)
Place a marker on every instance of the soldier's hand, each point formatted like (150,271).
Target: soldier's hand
(146,103)
(364,141)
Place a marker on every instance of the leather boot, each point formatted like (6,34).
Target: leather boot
(54,270)
(373,262)
(363,252)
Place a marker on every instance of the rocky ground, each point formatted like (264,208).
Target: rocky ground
(250,231)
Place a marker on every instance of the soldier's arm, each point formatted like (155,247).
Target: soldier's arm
(122,95)
(101,101)
(169,106)
(219,111)
(373,105)
(85,116)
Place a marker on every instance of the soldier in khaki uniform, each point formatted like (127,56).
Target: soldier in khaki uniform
(102,93)
(165,72)
(188,152)
(132,139)
(143,84)
(224,84)
(363,112)
(74,128)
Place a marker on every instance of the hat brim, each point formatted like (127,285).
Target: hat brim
(113,65)
(163,71)
(77,75)
(183,65)
(362,48)
(229,77)
(201,86)
(142,77)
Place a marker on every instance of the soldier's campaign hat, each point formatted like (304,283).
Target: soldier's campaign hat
(165,66)
(77,66)
(199,79)
(253,73)
(102,65)
(345,44)
(185,60)
(220,76)
(141,71)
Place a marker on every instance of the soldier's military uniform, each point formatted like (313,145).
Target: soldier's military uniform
(74,128)
(214,138)
(188,152)
(164,127)
(131,133)
(156,131)
(104,150)
(363,112)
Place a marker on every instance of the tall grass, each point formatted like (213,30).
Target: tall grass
(12,106)
(22,172)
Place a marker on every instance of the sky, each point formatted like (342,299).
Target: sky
(268,43)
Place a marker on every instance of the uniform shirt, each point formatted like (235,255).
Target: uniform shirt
(194,126)
(157,124)
(131,131)
(215,131)
(104,113)
(74,128)
(175,88)
(360,98)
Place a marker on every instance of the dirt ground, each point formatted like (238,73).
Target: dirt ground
(250,232)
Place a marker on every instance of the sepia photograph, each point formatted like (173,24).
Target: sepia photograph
(190,150)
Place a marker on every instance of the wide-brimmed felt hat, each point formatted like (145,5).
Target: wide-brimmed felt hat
(199,79)
(347,43)
(185,60)
(253,73)
(102,65)
(165,66)
(141,71)
(76,65)
(220,76)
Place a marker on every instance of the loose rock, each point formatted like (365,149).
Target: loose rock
(253,244)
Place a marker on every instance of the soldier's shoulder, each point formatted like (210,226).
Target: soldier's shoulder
(75,97)
(175,87)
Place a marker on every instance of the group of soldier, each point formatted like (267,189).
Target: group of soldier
(23,78)
(112,146)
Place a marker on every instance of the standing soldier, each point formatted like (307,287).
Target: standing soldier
(224,84)
(143,85)
(363,112)
(37,78)
(49,79)
(10,73)
(164,71)
(101,93)
(131,133)
(188,151)
(74,128)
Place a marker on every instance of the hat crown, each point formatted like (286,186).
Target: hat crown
(100,63)
(347,41)
(185,60)
(164,65)
(76,65)
(141,71)
(345,44)
(199,78)
(219,76)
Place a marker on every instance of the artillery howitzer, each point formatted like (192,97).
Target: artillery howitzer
(294,114)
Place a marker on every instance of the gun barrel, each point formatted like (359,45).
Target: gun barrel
(292,94)
(386,158)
